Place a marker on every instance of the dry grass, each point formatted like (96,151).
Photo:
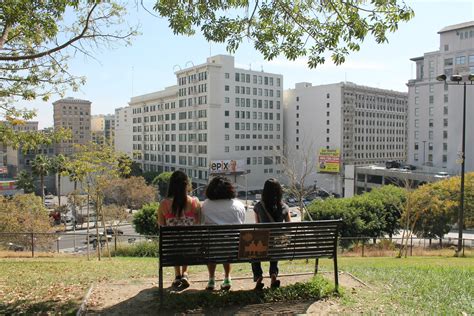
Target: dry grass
(417,252)
(27,254)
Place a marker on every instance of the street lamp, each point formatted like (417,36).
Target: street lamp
(456,80)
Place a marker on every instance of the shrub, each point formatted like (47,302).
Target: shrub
(145,221)
(140,249)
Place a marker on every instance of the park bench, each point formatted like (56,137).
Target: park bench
(203,244)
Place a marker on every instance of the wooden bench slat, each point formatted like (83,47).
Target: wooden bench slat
(200,245)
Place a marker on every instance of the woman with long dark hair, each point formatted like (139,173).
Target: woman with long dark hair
(270,209)
(179,209)
(220,208)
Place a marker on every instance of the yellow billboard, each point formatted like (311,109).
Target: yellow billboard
(329,160)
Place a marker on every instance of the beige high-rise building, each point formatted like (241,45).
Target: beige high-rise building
(73,114)
(103,128)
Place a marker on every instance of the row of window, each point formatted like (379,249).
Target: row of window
(255,115)
(430,135)
(265,80)
(255,91)
(201,76)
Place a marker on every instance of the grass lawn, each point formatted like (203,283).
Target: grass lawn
(426,285)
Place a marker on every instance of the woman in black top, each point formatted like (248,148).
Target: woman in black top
(270,209)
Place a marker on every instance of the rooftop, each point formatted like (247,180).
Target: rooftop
(456,27)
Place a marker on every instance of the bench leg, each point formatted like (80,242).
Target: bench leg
(316,266)
(336,274)
(160,284)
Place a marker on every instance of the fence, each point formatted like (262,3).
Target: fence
(77,243)
(66,242)
(371,246)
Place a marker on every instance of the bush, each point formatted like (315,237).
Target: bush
(373,214)
(145,221)
(140,249)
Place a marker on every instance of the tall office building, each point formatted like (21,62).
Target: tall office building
(435,109)
(103,129)
(73,114)
(218,118)
(123,130)
(343,124)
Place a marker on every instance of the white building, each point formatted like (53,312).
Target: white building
(435,109)
(215,112)
(358,125)
(123,130)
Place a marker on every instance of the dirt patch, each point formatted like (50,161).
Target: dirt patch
(140,297)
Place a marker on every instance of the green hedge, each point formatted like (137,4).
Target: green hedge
(139,249)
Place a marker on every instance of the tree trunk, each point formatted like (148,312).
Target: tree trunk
(59,189)
(97,229)
(42,187)
(88,214)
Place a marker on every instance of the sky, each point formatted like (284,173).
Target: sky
(148,64)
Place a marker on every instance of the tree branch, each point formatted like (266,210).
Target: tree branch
(57,48)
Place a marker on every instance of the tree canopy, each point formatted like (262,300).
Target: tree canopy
(310,28)
(37,40)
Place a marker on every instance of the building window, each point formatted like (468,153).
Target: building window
(431,99)
(415,157)
(430,146)
(417,134)
(417,111)
(445,158)
(431,111)
(430,135)
(430,123)
(226,125)
(416,146)
(460,60)
(445,134)
(328,96)
(327,139)
(417,123)
(327,113)
(226,149)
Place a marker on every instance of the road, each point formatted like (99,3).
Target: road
(77,240)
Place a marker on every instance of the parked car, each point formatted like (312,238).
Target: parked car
(15,247)
(442,174)
(392,164)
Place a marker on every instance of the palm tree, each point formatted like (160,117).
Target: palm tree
(58,167)
(40,167)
